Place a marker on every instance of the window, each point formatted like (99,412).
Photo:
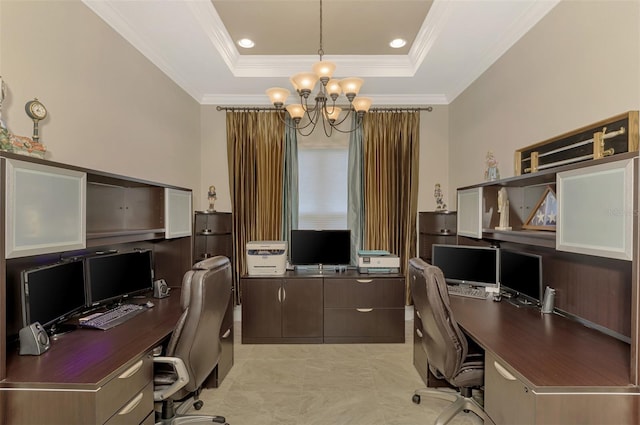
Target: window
(322,185)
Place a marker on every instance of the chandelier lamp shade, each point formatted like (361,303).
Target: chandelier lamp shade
(323,108)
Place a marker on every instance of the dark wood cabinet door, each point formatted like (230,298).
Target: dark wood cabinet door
(261,308)
(302,308)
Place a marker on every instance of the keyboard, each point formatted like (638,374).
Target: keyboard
(113,317)
(467,291)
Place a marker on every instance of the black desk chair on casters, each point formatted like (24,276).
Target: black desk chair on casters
(445,344)
(194,348)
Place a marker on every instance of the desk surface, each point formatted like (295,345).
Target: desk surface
(545,349)
(86,357)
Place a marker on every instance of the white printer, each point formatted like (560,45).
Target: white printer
(377,261)
(266,258)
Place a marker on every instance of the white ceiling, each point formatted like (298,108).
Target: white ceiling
(451,43)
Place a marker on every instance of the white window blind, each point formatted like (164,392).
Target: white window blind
(322,187)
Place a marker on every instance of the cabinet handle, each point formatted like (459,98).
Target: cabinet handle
(419,333)
(226,334)
(132,370)
(504,372)
(279,295)
(364,310)
(132,405)
(364,280)
(284,294)
(418,314)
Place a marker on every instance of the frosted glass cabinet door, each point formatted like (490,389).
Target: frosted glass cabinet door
(470,212)
(45,209)
(177,213)
(595,210)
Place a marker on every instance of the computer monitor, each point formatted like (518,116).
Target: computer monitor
(51,294)
(464,264)
(521,275)
(315,247)
(115,276)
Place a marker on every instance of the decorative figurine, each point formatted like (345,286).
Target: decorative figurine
(437,193)
(212,198)
(503,209)
(492,172)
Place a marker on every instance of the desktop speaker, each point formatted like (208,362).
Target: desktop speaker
(33,340)
(160,289)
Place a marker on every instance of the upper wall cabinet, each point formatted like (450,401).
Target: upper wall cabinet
(178,213)
(45,209)
(470,212)
(596,210)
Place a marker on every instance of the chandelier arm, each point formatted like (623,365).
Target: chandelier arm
(313,128)
(324,127)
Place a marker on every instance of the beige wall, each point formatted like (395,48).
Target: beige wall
(215,169)
(578,65)
(109,108)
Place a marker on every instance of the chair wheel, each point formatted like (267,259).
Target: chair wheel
(220,420)
(198,405)
(416,399)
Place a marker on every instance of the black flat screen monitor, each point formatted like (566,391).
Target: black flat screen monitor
(112,277)
(315,247)
(463,264)
(52,293)
(521,275)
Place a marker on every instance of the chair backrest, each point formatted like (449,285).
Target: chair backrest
(443,340)
(196,339)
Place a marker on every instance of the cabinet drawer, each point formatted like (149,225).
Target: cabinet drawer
(364,322)
(136,410)
(126,385)
(366,292)
(507,400)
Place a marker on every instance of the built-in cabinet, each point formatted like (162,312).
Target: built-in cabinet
(435,227)
(45,209)
(212,235)
(596,210)
(332,308)
(281,310)
(177,213)
(364,309)
(470,212)
(588,258)
(53,210)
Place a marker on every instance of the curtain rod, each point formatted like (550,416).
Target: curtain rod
(267,108)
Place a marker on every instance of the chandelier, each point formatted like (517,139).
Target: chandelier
(306,115)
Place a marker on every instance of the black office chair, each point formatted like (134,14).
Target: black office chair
(194,348)
(445,344)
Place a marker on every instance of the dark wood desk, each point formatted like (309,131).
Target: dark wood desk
(548,369)
(89,376)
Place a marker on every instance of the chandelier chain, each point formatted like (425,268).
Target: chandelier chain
(321,51)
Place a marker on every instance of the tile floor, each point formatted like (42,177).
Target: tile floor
(337,384)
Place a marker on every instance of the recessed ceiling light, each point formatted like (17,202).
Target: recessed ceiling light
(398,43)
(246,43)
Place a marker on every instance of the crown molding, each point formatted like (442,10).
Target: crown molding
(106,11)
(518,28)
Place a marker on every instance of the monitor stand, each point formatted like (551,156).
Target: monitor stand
(60,329)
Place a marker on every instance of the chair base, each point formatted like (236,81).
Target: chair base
(458,404)
(177,416)
(193,419)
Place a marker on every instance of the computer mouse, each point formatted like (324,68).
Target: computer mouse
(149,304)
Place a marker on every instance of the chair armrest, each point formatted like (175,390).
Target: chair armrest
(181,380)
